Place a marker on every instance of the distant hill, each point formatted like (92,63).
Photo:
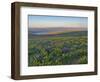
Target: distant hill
(65,34)
(55,31)
(74,33)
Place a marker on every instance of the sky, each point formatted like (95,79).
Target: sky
(40,21)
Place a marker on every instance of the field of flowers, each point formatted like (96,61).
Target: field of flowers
(57,50)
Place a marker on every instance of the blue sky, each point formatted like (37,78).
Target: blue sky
(40,21)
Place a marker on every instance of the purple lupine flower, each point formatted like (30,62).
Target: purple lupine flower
(65,50)
(48,49)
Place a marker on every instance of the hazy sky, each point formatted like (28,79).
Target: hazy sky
(36,21)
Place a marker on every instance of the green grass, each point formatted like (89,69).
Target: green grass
(57,50)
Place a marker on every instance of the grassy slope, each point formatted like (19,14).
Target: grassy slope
(49,50)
